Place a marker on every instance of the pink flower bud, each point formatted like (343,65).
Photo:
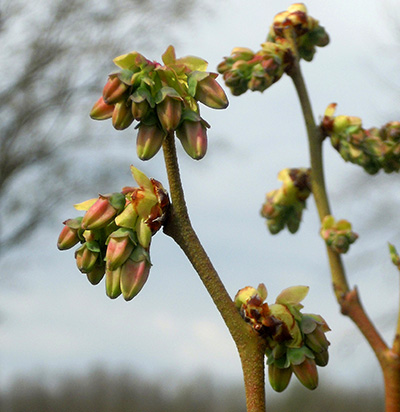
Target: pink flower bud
(114,90)
(119,248)
(149,141)
(122,116)
(193,136)
(169,112)
(103,211)
(69,234)
(101,110)
(133,277)
(210,93)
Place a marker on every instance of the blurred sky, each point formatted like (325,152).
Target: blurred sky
(53,321)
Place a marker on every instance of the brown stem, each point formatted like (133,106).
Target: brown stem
(250,346)
(351,307)
(391,376)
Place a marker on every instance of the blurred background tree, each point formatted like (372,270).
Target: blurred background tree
(55,55)
(103,391)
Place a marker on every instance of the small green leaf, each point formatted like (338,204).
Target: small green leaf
(307,324)
(297,356)
(127,61)
(169,56)
(139,254)
(166,91)
(292,295)
(125,76)
(142,180)
(93,246)
(193,63)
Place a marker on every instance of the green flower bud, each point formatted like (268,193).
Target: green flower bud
(279,378)
(149,141)
(143,233)
(122,116)
(169,112)
(337,235)
(193,136)
(86,256)
(140,110)
(97,273)
(113,277)
(210,93)
(321,358)
(307,373)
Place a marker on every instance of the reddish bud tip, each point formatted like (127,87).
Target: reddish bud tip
(114,90)
(101,110)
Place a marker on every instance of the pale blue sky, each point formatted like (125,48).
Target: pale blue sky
(55,321)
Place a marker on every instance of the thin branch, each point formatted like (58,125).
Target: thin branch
(250,346)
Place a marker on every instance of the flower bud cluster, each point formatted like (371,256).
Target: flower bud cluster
(373,149)
(296,342)
(115,235)
(247,70)
(305,30)
(163,99)
(284,206)
(337,235)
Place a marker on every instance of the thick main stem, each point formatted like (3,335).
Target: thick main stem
(250,346)
(389,359)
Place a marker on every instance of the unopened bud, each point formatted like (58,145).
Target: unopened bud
(210,93)
(316,340)
(149,141)
(122,116)
(321,358)
(86,256)
(114,90)
(97,273)
(307,373)
(279,378)
(103,211)
(169,112)
(143,233)
(69,234)
(127,218)
(120,245)
(139,110)
(113,288)
(101,110)
(193,136)
(134,273)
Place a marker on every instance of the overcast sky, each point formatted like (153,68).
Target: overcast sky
(54,321)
